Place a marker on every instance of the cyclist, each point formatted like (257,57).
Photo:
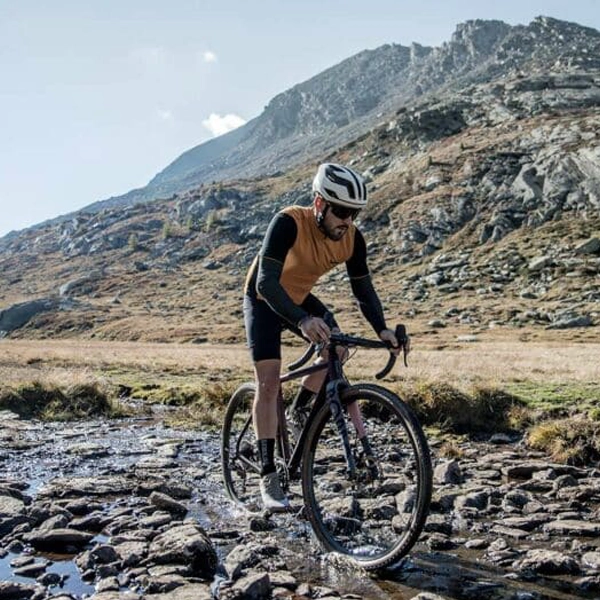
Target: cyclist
(302,244)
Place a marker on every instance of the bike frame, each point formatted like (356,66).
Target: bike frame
(329,392)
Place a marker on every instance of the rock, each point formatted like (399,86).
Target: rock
(170,504)
(448,472)
(17,315)
(539,263)
(131,553)
(571,322)
(114,595)
(592,560)
(11,507)
(591,246)
(573,528)
(194,591)
(256,586)
(240,558)
(11,590)
(57,539)
(185,544)
(548,562)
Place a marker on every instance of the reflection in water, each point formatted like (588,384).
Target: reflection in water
(65,568)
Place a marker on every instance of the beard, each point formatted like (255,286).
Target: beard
(335,233)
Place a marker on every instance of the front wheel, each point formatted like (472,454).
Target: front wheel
(376,514)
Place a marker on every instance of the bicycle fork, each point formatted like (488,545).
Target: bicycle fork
(332,392)
(335,405)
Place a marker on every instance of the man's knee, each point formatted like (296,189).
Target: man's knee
(267,378)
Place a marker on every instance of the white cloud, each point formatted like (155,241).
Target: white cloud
(209,57)
(165,114)
(218,125)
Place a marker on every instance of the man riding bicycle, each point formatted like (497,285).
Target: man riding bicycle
(301,245)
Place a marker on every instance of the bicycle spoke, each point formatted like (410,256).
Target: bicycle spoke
(238,452)
(375,516)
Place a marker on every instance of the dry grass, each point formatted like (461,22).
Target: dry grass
(491,363)
(574,441)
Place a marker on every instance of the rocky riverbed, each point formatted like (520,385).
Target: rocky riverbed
(131,509)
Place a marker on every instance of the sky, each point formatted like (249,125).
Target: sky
(97,96)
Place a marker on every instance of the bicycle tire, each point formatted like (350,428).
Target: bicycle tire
(240,463)
(376,518)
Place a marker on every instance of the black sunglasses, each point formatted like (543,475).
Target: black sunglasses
(343,212)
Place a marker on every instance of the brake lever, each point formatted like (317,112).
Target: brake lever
(402,338)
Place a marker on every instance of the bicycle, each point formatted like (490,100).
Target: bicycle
(367,500)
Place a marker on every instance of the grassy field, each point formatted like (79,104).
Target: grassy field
(495,382)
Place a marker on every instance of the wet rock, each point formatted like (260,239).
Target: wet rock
(573,528)
(240,558)
(476,500)
(156,520)
(101,485)
(591,560)
(166,502)
(185,544)
(548,562)
(11,506)
(57,539)
(33,569)
(131,553)
(256,586)
(11,590)
(109,584)
(115,595)
(195,591)
(88,450)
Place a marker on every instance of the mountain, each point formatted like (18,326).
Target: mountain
(318,115)
(483,161)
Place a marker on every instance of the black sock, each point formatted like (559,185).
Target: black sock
(302,398)
(266,451)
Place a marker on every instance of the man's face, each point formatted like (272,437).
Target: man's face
(334,227)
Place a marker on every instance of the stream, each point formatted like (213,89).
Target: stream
(78,498)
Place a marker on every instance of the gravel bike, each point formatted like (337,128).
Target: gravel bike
(361,457)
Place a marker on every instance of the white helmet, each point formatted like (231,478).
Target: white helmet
(340,185)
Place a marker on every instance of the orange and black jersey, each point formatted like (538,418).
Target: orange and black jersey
(296,253)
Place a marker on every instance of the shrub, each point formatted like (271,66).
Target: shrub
(575,440)
(52,403)
(485,410)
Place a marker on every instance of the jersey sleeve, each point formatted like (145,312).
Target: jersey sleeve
(280,237)
(362,286)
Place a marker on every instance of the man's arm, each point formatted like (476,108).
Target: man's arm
(362,286)
(280,237)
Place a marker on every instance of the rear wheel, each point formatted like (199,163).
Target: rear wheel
(376,516)
(239,457)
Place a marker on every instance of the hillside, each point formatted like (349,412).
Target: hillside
(484,215)
(349,99)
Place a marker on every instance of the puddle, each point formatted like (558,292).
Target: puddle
(71,581)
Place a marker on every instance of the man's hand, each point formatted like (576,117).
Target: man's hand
(315,329)
(387,335)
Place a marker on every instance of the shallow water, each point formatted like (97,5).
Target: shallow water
(65,567)
(41,454)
